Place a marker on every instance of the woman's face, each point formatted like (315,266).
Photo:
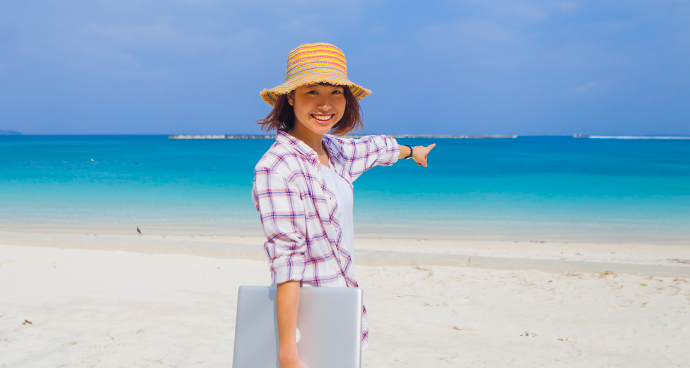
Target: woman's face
(318,107)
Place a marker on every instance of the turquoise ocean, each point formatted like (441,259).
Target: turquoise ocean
(526,188)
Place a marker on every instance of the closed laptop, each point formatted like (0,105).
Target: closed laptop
(329,327)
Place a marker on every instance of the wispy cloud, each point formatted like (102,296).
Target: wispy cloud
(523,11)
(148,35)
(450,38)
(589,86)
(595,85)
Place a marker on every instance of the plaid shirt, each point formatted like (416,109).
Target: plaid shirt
(304,239)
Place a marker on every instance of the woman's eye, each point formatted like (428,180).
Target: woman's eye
(337,92)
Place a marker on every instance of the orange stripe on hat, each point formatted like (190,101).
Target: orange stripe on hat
(312,63)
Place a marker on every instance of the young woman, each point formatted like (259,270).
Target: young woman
(303,184)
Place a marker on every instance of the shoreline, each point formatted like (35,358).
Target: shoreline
(642,259)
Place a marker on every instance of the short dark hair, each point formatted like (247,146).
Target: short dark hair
(282,117)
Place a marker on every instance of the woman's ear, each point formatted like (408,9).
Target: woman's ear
(291,98)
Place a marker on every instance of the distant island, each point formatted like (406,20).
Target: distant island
(9,132)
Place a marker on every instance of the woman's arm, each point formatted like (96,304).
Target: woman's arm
(419,154)
(361,154)
(283,219)
(287,305)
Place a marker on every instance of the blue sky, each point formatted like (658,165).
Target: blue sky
(438,67)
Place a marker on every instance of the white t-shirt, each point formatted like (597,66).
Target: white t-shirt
(344,198)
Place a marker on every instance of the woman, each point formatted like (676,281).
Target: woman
(303,184)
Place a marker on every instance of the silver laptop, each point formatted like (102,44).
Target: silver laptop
(329,327)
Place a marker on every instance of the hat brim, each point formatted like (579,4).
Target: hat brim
(270,96)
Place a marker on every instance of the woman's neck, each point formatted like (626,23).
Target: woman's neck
(310,138)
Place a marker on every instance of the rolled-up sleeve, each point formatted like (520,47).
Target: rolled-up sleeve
(284,223)
(364,153)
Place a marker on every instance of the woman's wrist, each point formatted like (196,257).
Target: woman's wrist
(405,156)
(288,355)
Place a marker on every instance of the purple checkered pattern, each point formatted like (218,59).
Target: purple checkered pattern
(298,210)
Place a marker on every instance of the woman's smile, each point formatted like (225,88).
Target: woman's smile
(323,118)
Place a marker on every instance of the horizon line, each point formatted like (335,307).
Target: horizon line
(359,134)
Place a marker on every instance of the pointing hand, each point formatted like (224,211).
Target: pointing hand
(420,152)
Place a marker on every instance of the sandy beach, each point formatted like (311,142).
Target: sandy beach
(511,178)
(111,301)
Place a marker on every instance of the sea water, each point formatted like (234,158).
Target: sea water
(526,188)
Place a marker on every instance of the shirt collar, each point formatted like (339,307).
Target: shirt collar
(301,147)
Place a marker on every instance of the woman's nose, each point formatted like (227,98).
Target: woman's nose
(325,103)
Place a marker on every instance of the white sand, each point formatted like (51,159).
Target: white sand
(105,308)
(223,245)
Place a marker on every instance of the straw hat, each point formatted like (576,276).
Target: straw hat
(314,63)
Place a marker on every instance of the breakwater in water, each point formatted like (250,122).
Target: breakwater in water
(629,137)
(272,136)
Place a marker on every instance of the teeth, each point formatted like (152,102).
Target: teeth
(322,117)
